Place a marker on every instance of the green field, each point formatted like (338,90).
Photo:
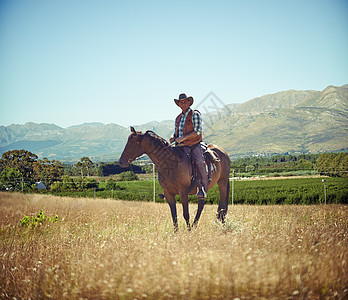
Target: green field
(291,191)
(278,191)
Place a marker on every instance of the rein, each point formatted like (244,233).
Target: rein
(129,156)
(173,145)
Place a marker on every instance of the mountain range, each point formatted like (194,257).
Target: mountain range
(288,121)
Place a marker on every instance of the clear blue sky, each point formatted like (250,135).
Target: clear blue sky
(70,62)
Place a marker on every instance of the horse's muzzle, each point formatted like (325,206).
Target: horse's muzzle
(123,163)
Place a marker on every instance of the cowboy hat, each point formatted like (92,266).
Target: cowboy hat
(183,97)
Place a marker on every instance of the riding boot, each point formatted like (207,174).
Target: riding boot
(203,185)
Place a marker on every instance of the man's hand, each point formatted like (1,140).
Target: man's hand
(177,140)
(180,139)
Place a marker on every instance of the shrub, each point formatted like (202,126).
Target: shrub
(40,219)
(128,176)
(57,187)
(110,185)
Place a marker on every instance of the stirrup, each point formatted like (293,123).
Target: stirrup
(199,196)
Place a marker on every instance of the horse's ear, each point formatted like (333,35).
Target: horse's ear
(132,129)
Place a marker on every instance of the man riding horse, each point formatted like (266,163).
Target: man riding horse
(188,134)
(175,168)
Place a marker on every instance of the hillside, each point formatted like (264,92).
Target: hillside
(271,102)
(95,140)
(292,121)
(289,121)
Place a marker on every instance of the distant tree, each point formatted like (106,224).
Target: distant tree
(68,184)
(249,168)
(57,186)
(322,163)
(305,164)
(107,169)
(87,163)
(79,166)
(333,164)
(275,163)
(47,171)
(340,163)
(84,164)
(11,179)
(21,160)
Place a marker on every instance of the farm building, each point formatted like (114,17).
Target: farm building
(40,186)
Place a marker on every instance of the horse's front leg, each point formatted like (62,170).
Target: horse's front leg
(185,208)
(172,204)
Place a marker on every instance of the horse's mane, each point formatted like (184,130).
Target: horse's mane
(159,141)
(156,138)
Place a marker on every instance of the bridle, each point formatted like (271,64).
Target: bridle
(129,155)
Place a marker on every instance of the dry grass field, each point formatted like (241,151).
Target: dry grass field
(107,249)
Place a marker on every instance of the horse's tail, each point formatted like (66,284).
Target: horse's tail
(228,194)
(224,184)
(223,205)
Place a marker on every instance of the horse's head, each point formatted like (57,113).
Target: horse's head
(133,148)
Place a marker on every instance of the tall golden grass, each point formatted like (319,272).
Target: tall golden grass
(107,249)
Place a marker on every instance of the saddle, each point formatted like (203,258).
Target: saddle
(210,158)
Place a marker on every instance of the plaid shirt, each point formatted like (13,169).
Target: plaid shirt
(196,120)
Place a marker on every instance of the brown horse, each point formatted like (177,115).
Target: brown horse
(175,171)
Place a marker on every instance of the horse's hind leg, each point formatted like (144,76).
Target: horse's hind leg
(224,189)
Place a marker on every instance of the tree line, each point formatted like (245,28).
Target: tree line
(21,168)
(333,164)
(85,167)
(330,164)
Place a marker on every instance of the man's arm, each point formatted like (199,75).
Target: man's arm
(192,134)
(197,122)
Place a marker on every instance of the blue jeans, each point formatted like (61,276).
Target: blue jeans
(196,153)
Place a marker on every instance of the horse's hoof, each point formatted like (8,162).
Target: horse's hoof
(195,224)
